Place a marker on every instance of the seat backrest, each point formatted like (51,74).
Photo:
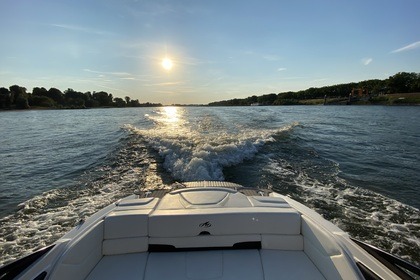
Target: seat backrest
(84,253)
(224,221)
(325,252)
(126,232)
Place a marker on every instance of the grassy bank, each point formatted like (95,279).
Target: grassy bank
(386,99)
(396,99)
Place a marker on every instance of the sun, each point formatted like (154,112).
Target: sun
(167,63)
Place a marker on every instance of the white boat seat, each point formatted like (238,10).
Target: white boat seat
(325,253)
(216,265)
(126,232)
(86,252)
(126,224)
(125,245)
(291,265)
(219,264)
(282,242)
(127,267)
(224,221)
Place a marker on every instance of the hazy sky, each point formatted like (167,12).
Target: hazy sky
(219,49)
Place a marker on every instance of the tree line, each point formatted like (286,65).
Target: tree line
(401,82)
(17,97)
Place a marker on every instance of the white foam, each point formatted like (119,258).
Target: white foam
(48,216)
(367,215)
(191,155)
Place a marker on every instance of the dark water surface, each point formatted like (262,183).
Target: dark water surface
(359,166)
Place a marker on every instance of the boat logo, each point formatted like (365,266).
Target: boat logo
(205,224)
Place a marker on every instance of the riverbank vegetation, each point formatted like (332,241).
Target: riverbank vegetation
(400,89)
(17,97)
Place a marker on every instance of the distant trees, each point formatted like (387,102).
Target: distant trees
(404,82)
(401,82)
(119,102)
(267,99)
(74,99)
(19,97)
(56,95)
(5,98)
(16,97)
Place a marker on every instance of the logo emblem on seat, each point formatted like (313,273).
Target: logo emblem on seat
(205,224)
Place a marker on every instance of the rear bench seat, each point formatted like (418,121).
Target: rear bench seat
(127,233)
(126,228)
(223,227)
(125,241)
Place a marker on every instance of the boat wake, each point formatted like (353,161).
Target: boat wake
(364,214)
(191,155)
(154,157)
(46,217)
(166,147)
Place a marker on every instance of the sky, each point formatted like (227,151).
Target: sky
(219,50)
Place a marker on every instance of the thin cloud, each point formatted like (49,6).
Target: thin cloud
(119,74)
(271,57)
(281,69)
(410,47)
(77,28)
(319,80)
(367,60)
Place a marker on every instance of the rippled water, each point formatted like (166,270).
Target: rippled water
(357,166)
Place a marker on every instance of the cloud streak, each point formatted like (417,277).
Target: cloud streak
(77,28)
(409,47)
(367,60)
(118,75)
(108,73)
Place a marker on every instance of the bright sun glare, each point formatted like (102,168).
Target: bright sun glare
(167,63)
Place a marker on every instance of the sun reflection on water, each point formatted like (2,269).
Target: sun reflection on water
(171,114)
(171,120)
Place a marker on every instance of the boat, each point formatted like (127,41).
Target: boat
(208,230)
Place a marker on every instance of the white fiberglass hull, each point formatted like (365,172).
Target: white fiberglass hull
(206,230)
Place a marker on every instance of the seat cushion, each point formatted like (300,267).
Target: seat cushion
(82,257)
(126,224)
(127,266)
(224,221)
(125,245)
(291,265)
(282,242)
(219,264)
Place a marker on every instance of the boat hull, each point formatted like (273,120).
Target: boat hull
(208,230)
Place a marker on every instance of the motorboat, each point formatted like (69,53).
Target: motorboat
(208,230)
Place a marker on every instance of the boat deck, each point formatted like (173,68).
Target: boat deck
(209,233)
(214,264)
(203,231)
(159,193)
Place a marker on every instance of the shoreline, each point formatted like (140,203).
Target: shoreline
(396,99)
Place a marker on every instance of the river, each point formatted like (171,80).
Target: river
(358,166)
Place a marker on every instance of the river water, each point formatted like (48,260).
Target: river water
(358,166)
